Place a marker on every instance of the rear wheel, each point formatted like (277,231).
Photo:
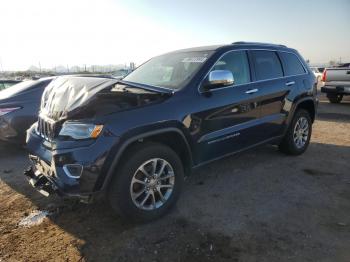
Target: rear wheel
(147,184)
(334,98)
(297,138)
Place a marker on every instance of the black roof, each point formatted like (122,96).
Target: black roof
(199,48)
(234,44)
(257,43)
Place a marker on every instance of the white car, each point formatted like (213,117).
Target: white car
(317,74)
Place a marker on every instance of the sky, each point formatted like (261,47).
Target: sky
(100,32)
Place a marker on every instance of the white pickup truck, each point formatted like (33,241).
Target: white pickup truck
(336,82)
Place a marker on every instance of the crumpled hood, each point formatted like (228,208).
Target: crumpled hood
(66,94)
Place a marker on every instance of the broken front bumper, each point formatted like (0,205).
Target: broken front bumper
(70,169)
(40,182)
(42,177)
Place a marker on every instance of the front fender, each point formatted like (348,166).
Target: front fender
(137,134)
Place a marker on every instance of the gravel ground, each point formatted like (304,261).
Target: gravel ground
(257,206)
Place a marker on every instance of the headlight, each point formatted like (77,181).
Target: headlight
(80,130)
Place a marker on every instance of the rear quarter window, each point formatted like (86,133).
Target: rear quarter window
(292,64)
(267,65)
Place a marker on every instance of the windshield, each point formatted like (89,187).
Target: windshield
(172,70)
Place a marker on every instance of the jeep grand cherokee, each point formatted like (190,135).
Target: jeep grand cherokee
(135,139)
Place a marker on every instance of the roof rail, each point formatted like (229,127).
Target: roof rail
(255,43)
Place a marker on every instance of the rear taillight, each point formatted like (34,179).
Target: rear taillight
(4,111)
(324,76)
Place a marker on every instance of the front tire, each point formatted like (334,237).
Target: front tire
(334,98)
(297,138)
(147,184)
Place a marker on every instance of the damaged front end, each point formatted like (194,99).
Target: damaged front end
(71,141)
(40,181)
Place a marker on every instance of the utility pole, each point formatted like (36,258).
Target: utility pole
(39,67)
(2,69)
(67,68)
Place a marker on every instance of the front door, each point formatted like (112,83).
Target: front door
(226,117)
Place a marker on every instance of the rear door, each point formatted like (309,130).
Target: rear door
(296,79)
(273,89)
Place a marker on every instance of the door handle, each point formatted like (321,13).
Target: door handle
(251,91)
(290,83)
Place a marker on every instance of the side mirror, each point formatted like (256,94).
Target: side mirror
(219,78)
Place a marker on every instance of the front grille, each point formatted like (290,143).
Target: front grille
(46,128)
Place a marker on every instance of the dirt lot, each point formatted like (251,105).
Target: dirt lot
(258,206)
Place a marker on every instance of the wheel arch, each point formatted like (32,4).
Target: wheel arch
(172,137)
(307,104)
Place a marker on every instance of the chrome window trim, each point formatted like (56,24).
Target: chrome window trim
(251,82)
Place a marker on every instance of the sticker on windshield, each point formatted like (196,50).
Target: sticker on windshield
(199,59)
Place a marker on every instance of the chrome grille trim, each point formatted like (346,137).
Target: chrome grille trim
(46,128)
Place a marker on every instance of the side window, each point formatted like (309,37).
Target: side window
(291,64)
(267,65)
(237,63)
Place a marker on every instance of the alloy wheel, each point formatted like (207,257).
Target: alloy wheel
(152,184)
(301,132)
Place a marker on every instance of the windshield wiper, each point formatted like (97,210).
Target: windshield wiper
(158,89)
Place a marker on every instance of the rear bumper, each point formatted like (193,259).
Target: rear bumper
(340,90)
(8,133)
(71,171)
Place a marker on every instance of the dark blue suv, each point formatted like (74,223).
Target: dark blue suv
(135,139)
